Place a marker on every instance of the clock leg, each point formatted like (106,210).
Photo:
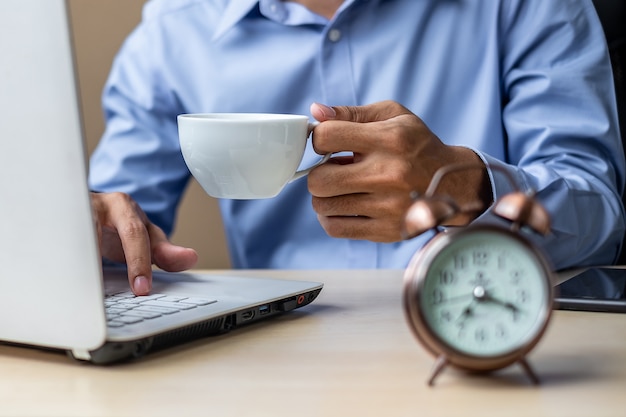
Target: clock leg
(529,371)
(440,364)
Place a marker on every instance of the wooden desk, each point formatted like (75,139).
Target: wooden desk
(350,353)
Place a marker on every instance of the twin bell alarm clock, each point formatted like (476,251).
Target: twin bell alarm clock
(479,297)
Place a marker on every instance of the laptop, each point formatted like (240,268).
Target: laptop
(54,288)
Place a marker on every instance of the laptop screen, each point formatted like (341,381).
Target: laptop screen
(48,248)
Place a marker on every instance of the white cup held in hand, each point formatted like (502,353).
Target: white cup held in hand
(244,155)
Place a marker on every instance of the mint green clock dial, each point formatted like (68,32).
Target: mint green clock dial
(485,294)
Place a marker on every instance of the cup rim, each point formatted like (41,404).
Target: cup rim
(242,117)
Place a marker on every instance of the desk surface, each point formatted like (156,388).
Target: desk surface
(349,353)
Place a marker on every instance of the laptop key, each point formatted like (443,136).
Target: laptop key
(130,301)
(142,314)
(116,309)
(128,319)
(177,305)
(156,309)
(172,298)
(149,297)
(199,301)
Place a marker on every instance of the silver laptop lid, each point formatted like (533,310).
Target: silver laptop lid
(50,287)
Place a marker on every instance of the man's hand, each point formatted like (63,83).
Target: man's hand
(367,195)
(126,235)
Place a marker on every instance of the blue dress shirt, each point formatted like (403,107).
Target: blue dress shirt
(527,84)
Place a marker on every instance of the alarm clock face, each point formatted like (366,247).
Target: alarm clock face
(485,293)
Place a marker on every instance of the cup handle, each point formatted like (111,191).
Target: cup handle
(302,173)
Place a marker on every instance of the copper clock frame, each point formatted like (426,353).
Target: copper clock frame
(414,281)
(428,212)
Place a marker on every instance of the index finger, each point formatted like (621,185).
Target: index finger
(334,136)
(136,244)
(374,112)
(386,136)
(135,240)
(362,129)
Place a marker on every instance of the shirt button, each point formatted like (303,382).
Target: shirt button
(334,35)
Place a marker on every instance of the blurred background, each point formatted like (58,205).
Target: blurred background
(99,28)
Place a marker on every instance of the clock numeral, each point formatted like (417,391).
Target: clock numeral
(480,258)
(500,331)
(437,296)
(516,276)
(460,262)
(447,277)
(516,315)
(446,315)
(502,262)
(480,334)
(522,296)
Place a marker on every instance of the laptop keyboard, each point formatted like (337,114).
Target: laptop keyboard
(125,308)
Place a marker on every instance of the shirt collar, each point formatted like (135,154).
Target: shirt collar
(235,11)
(238,9)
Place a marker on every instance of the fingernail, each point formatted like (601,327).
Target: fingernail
(141,285)
(328,112)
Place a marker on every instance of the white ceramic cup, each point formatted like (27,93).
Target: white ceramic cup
(244,155)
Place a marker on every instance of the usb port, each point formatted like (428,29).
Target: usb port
(264,309)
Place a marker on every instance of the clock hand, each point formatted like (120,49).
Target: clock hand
(483,295)
(457,298)
(477,295)
(467,312)
(507,304)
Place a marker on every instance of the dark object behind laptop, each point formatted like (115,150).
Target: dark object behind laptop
(594,289)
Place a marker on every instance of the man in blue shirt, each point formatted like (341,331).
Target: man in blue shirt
(410,86)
